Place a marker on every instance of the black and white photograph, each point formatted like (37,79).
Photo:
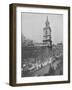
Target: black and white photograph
(41,44)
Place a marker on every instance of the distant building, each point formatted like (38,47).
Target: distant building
(47,34)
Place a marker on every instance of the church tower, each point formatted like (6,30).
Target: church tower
(47,34)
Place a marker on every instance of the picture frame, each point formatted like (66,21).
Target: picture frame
(39,44)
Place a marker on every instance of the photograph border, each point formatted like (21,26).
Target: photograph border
(12,43)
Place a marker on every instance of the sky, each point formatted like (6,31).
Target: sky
(32,25)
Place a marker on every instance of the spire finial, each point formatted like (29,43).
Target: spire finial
(47,22)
